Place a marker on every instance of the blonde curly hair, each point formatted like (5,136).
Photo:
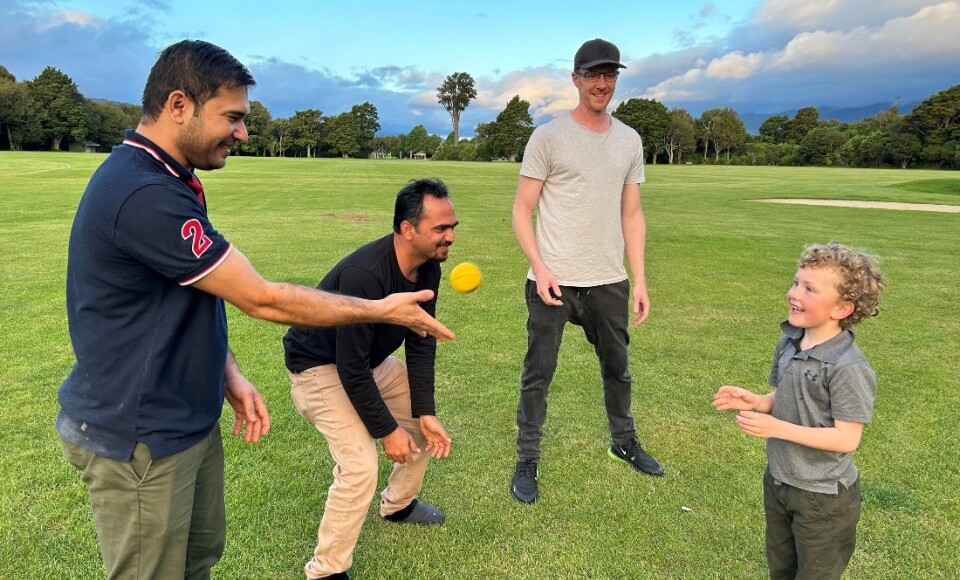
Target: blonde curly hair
(861,281)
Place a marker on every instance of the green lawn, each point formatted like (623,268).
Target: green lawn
(718,270)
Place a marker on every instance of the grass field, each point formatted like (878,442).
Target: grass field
(718,270)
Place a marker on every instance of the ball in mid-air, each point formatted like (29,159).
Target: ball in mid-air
(465,277)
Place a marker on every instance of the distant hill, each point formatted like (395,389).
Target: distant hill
(752,121)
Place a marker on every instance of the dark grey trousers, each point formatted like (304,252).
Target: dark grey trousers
(602,312)
(809,535)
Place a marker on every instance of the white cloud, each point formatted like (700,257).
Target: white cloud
(801,14)
(427,98)
(59,17)
(933,30)
(929,33)
(818,48)
(861,56)
(679,88)
(734,65)
(548,90)
(807,15)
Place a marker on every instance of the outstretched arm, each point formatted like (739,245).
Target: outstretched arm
(236,281)
(729,397)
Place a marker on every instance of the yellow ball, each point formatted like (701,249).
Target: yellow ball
(465,277)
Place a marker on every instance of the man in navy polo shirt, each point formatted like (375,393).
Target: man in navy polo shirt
(147,276)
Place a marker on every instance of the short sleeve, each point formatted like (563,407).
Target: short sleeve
(636,174)
(774,377)
(853,392)
(535,162)
(168,231)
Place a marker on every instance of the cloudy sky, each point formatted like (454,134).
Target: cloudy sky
(759,57)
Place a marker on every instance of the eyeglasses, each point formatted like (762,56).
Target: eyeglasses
(592,76)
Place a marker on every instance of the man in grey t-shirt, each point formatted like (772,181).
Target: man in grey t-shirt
(581,172)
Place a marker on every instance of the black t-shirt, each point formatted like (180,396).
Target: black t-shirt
(371,272)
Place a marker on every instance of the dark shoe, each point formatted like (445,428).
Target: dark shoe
(524,484)
(417,513)
(633,454)
(337,576)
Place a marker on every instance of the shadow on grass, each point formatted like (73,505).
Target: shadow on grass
(887,497)
(941,186)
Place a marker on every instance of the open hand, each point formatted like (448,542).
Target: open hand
(438,442)
(403,308)
(729,397)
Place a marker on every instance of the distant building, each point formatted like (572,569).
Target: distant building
(84,147)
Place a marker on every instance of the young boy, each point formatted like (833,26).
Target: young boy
(813,420)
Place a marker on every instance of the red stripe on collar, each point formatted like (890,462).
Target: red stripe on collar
(194,183)
(153,153)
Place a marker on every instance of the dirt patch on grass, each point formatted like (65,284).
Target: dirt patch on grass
(354,217)
(868,204)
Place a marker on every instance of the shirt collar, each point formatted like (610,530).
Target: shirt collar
(829,351)
(134,139)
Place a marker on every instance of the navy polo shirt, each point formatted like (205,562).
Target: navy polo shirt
(150,348)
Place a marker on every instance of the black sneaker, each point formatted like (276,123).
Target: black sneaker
(524,484)
(633,454)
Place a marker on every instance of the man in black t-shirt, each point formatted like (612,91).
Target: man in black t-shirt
(346,381)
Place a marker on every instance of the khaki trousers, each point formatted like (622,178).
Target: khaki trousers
(321,399)
(157,519)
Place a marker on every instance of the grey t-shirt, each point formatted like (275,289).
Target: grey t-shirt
(578,230)
(814,388)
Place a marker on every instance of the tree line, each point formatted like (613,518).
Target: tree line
(927,137)
(50,112)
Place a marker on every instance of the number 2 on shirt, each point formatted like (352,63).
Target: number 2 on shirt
(193,229)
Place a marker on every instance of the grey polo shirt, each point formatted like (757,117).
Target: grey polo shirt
(814,388)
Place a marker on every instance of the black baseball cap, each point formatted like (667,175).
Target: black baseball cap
(596,52)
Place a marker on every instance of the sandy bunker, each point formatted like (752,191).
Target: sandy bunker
(868,204)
